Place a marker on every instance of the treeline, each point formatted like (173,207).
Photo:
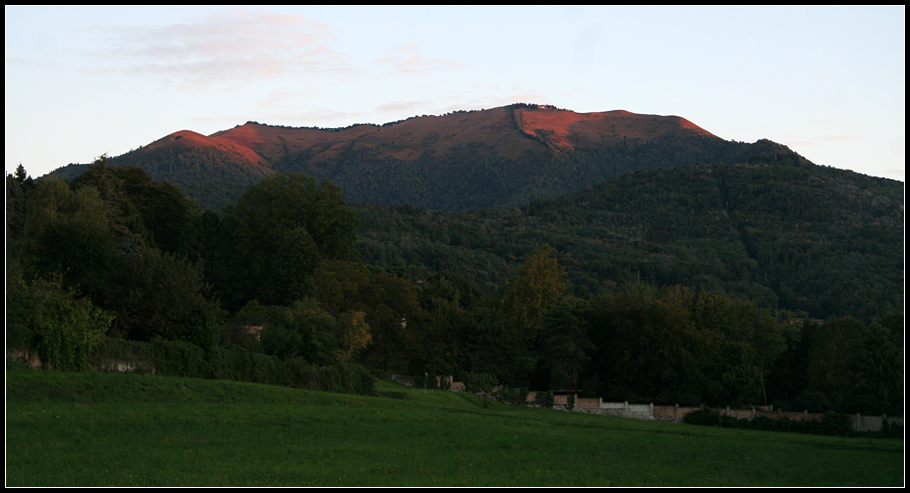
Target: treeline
(276,281)
(112,255)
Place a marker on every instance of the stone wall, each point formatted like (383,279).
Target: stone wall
(672,413)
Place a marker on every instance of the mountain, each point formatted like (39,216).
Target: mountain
(486,159)
(785,233)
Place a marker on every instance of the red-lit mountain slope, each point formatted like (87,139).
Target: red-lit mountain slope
(499,157)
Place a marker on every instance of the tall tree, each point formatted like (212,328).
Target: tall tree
(567,344)
(396,319)
(829,357)
(648,348)
(539,284)
(265,242)
(69,233)
(875,363)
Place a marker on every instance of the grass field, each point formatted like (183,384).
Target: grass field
(94,429)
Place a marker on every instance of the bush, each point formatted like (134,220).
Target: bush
(545,399)
(833,424)
(63,328)
(514,396)
(230,362)
(178,359)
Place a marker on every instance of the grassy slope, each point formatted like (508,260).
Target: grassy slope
(91,429)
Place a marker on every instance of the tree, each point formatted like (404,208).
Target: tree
(875,364)
(490,344)
(540,283)
(265,238)
(829,357)
(567,344)
(748,339)
(293,267)
(352,334)
(397,321)
(337,284)
(68,232)
(302,330)
(158,214)
(158,294)
(18,186)
(648,348)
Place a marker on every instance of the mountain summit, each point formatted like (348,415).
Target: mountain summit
(492,158)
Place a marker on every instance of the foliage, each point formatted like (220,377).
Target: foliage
(157,211)
(786,235)
(567,342)
(482,383)
(650,348)
(53,321)
(158,294)
(512,395)
(663,286)
(833,423)
(545,399)
(352,334)
(538,285)
(274,238)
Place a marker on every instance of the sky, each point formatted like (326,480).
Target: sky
(828,82)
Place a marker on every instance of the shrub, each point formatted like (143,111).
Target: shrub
(63,328)
(514,396)
(545,399)
(178,359)
(833,424)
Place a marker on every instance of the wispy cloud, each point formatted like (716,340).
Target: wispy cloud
(821,140)
(403,107)
(408,60)
(228,47)
(837,138)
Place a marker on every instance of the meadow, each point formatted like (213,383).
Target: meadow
(99,429)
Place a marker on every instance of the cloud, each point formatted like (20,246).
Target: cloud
(821,140)
(228,47)
(16,62)
(410,106)
(407,60)
(837,138)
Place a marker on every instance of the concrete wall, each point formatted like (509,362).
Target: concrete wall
(875,423)
(675,413)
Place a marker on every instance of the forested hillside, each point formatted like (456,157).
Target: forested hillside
(691,285)
(488,159)
(785,233)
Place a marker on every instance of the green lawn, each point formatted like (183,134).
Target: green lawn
(93,429)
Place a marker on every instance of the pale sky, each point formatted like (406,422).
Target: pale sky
(829,82)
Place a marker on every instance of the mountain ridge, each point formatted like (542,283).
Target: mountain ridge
(490,158)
